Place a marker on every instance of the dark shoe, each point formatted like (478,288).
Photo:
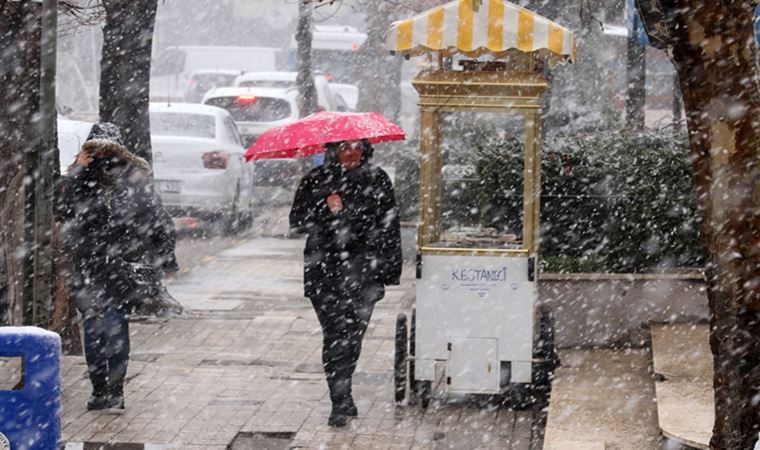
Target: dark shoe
(98,402)
(337,419)
(116,402)
(349,408)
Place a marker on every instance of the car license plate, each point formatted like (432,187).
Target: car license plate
(168,186)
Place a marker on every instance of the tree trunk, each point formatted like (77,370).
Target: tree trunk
(380,73)
(125,81)
(712,45)
(125,70)
(12,229)
(307,91)
(65,314)
(20,78)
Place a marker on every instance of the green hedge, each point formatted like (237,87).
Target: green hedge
(614,202)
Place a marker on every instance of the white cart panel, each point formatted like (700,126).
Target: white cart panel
(474,366)
(473,297)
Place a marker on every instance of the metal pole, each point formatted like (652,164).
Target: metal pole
(635,105)
(43,258)
(677,106)
(307,92)
(529,193)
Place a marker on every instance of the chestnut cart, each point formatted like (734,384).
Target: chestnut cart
(476,328)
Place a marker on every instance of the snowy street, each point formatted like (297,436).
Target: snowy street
(357,224)
(244,362)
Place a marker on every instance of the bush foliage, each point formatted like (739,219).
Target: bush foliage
(611,203)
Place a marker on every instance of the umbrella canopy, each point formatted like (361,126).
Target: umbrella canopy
(477,27)
(309,135)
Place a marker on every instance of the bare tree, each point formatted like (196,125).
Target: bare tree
(20,158)
(20,78)
(712,45)
(380,74)
(125,70)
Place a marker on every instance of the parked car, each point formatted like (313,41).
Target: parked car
(256,109)
(287,80)
(198,163)
(203,81)
(340,104)
(171,69)
(275,181)
(348,93)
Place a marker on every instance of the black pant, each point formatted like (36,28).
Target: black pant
(106,349)
(344,319)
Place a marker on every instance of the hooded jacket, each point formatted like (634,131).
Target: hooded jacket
(113,219)
(357,250)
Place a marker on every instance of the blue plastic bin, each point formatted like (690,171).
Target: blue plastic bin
(30,418)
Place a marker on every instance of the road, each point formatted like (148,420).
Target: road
(198,246)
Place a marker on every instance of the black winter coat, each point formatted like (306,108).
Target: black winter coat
(357,251)
(107,228)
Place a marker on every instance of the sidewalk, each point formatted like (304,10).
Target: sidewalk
(243,369)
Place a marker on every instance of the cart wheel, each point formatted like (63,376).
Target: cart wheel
(543,370)
(546,350)
(412,354)
(400,358)
(520,396)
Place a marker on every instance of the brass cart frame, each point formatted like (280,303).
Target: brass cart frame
(444,91)
(474,327)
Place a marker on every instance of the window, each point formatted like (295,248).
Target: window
(205,81)
(186,125)
(264,109)
(282,84)
(233,135)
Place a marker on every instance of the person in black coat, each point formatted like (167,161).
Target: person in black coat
(353,250)
(116,235)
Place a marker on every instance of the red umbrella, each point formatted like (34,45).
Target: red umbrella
(309,135)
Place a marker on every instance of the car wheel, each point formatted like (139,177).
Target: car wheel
(232,222)
(400,359)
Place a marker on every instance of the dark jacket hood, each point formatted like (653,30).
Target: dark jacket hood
(139,170)
(331,154)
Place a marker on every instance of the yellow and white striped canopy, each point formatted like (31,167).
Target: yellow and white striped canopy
(476,27)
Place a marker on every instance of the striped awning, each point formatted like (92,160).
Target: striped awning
(477,27)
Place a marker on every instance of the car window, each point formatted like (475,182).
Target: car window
(253,109)
(340,104)
(182,124)
(206,81)
(267,83)
(233,135)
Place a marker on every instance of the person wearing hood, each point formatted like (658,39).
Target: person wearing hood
(113,229)
(348,210)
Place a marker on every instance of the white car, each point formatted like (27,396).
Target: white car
(256,110)
(287,80)
(171,69)
(202,81)
(275,181)
(349,93)
(71,136)
(198,163)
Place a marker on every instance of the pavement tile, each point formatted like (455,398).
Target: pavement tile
(198,380)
